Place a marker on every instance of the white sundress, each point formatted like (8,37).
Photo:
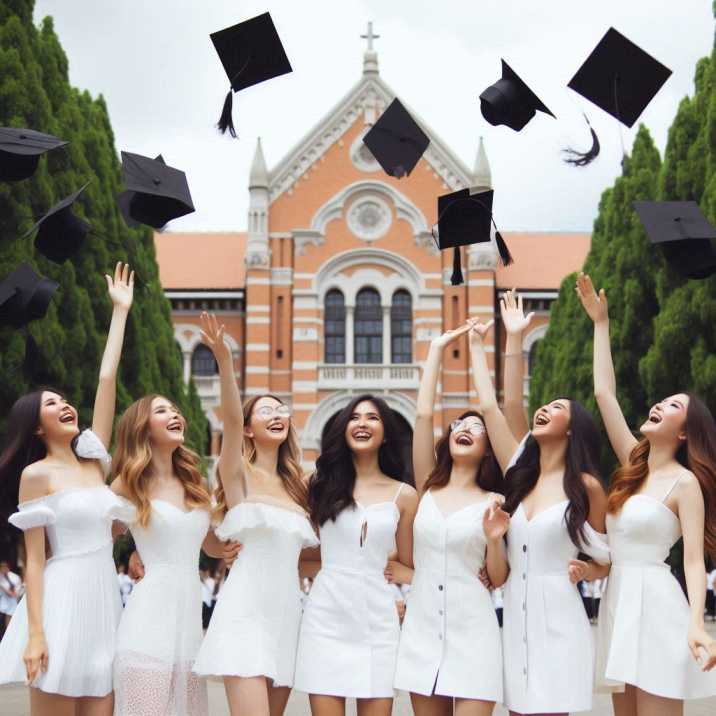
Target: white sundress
(644,614)
(350,629)
(450,644)
(254,627)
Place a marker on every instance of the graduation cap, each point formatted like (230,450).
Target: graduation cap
(251,52)
(24,296)
(465,219)
(619,77)
(396,140)
(59,232)
(156,193)
(510,101)
(20,151)
(683,233)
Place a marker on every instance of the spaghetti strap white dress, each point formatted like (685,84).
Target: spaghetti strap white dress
(349,634)
(81,605)
(254,627)
(450,642)
(160,631)
(644,614)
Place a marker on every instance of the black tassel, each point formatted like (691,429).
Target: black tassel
(456,278)
(226,121)
(581,159)
(505,255)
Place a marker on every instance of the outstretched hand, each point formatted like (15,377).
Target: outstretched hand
(449,336)
(513,315)
(595,305)
(495,521)
(478,331)
(121,287)
(212,334)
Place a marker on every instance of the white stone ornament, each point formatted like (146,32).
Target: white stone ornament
(369,218)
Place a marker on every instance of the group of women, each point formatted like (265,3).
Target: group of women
(494,503)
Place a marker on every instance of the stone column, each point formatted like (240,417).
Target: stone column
(349,337)
(386,335)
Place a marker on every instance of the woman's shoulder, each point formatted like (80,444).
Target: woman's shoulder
(408,496)
(35,481)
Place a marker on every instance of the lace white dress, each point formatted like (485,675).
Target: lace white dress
(254,627)
(160,631)
(81,604)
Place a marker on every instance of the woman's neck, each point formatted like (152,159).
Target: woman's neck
(266,460)
(62,452)
(552,457)
(161,465)
(366,466)
(660,456)
(463,475)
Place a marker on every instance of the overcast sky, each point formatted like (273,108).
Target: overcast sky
(164,85)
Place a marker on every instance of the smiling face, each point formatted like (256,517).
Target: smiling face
(166,423)
(58,419)
(552,420)
(365,431)
(269,423)
(468,439)
(667,419)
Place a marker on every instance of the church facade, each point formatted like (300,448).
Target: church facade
(336,287)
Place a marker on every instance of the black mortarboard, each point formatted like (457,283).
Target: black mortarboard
(619,77)
(251,52)
(510,101)
(464,219)
(156,193)
(396,140)
(24,296)
(59,232)
(20,151)
(683,233)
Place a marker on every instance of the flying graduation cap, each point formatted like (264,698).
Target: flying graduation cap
(683,233)
(155,193)
(251,52)
(20,151)
(60,233)
(465,219)
(396,140)
(24,296)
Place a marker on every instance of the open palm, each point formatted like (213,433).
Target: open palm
(513,315)
(213,335)
(595,305)
(121,287)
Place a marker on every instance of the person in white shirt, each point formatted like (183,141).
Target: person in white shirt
(208,585)
(125,584)
(598,587)
(585,589)
(10,584)
(711,594)
(498,600)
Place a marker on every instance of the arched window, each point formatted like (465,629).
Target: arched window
(401,328)
(334,317)
(368,327)
(203,362)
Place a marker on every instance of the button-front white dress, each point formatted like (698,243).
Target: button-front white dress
(350,629)
(451,639)
(644,615)
(547,640)
(254,627)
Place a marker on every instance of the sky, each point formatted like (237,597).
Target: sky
(164,85)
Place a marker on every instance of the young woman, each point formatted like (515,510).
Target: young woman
(450,654)
(665,488)
(557,510)
(350,628)
(252,637)
(64,628)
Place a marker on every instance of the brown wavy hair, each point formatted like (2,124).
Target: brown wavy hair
(697,453)
(133,457)
(289,462)
(488,475)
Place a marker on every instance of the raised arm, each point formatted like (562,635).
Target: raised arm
(502,440)
(231,461)
(516,323)
(605,384)
(423,438)
(121,290)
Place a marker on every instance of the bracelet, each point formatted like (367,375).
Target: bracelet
(510,355)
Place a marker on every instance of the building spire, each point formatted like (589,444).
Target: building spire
(482,176)
(258,177)
(370,56)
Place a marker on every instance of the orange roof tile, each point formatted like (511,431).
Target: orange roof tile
(201,260)
(541,260)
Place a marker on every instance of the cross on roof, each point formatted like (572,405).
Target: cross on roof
(370,37)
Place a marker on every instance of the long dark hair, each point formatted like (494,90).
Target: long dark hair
(330,489)
(488,475)
(582,457)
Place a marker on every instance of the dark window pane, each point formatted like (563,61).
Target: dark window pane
(203,361)
(368,327)
(401,328)
(334,327)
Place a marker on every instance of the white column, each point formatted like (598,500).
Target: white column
(187,366)
(349,336)
(386,335)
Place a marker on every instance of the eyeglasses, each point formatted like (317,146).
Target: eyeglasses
(266,412)
(474,427)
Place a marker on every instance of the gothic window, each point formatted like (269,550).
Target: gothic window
(203,362)
(368,327)
(335,327)
(401,328)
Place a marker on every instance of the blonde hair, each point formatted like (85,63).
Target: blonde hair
(289,462)
(133,457)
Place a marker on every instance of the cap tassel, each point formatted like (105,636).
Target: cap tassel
(456,278)
(226,121)
(505,255)
(581,159)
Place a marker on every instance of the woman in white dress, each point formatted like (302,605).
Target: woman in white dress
(64,628)
(557,510)
(350,628)
(10,584)
(251,640)
(650,639)
(450,654)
